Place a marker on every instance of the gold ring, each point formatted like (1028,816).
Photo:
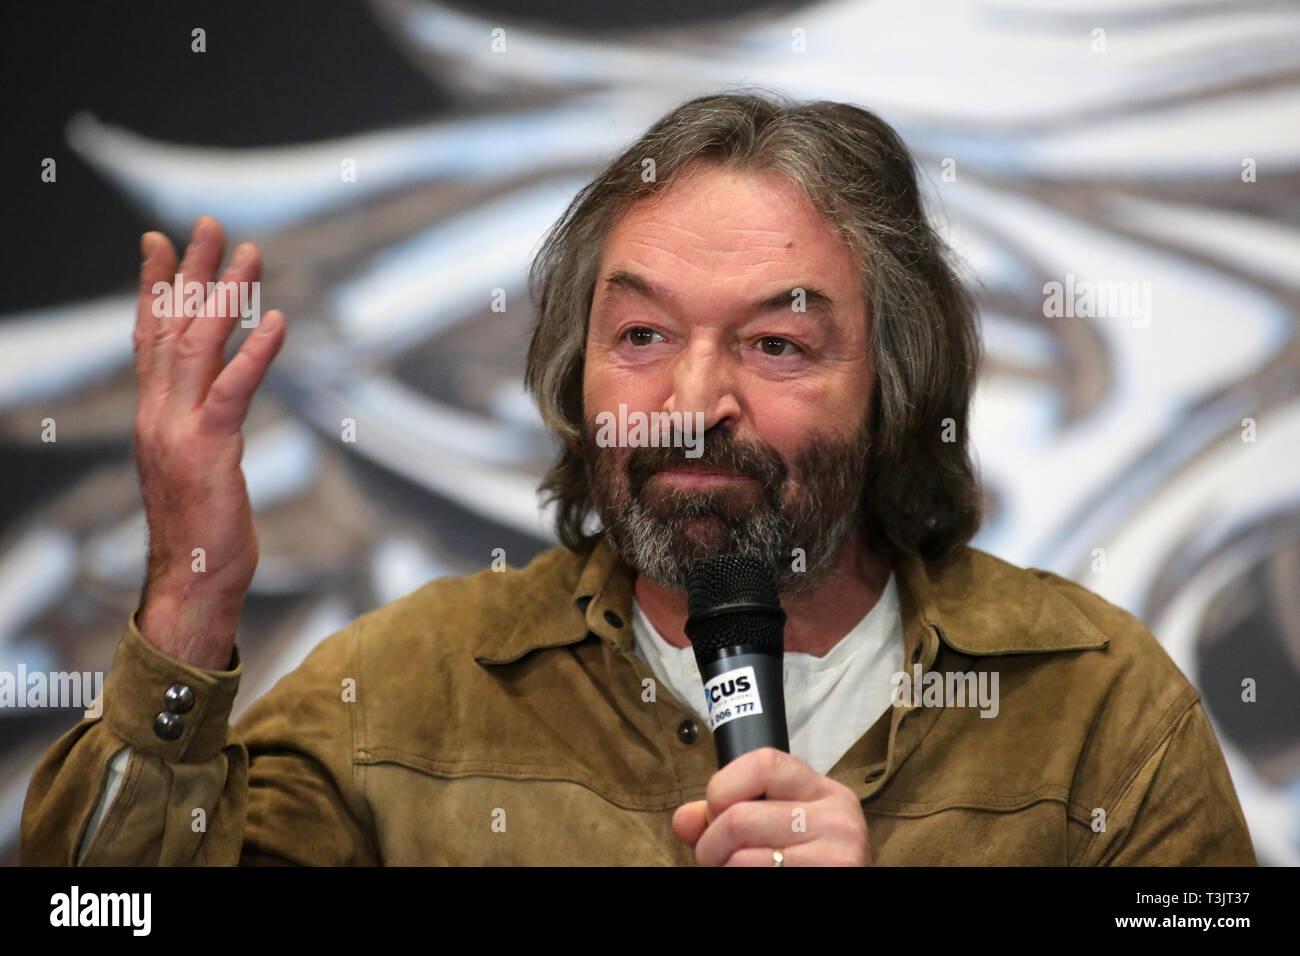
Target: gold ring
(777,858)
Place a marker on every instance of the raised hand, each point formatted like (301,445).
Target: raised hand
(188,444)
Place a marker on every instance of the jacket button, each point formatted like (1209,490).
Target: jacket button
(874,775)
(179,699)
(687,731)
(613,619)
(168,726)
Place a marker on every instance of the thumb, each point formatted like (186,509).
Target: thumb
(690,821)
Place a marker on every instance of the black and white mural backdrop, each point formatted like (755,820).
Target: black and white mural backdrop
(1141,156)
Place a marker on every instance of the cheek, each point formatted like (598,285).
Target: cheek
(790,420)
(786,419)
(605,387)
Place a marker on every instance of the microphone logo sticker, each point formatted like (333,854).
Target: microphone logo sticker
(730,695)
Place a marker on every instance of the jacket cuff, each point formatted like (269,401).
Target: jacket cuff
(136,697)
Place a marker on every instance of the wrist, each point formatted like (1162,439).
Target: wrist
(197,627)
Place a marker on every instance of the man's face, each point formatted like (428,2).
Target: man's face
(693,312)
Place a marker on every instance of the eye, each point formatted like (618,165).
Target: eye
(776,346)
(640,335)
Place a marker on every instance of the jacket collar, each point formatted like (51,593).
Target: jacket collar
(593,595)
(983,606)
(977,604)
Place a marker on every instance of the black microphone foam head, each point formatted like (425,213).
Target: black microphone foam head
(728,579)
(732,601)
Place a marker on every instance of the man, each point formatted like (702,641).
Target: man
(762,277)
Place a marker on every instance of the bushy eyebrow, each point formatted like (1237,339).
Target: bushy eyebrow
(819,305)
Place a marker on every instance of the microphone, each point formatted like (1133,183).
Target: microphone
(737,628)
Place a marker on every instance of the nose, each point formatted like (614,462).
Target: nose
(705,381)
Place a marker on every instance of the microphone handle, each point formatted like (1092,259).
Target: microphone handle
(745,696)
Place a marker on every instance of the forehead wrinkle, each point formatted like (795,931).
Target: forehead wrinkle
(670,225)
(749,228)
(743,258)
(651,244)
(755,239)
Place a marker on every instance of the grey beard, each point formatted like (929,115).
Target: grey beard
(798,540)
(658,550)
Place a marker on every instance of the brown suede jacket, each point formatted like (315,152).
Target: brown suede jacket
(499,718)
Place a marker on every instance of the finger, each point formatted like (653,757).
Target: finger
(690,821)
(806,854)
(227,401)
(753,823)
(202,256)
(762,856)
(200,351)
(766,772)
(157,269)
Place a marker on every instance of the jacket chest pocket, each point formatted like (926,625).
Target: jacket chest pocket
(481,819)
(963,835)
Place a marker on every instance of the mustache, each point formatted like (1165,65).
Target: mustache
(720,452)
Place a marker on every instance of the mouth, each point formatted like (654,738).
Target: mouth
(701,476)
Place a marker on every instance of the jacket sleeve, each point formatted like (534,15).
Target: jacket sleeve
(1180,808)
(279,788)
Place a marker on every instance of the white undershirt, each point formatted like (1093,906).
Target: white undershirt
(830,701)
